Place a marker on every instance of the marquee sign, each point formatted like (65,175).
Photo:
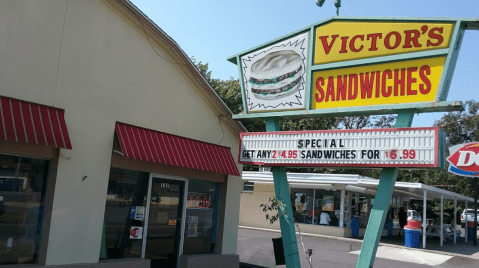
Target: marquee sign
(352,66)
(464,159)
(400,147)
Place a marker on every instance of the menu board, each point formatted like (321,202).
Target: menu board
(328,203)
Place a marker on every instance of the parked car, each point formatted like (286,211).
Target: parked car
(413,215)
(470,217)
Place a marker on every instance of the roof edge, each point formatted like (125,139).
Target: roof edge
(190,66)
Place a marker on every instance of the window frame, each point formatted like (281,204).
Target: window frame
(51,155)
(244,190)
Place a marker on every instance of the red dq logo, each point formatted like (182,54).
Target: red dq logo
(464,160)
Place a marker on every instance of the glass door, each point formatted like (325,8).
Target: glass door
(164,224)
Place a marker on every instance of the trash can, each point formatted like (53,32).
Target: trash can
(412,234)
(470,230)
(390,227)
(354,226)
(278,251)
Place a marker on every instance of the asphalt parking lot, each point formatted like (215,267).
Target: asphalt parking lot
(255,248)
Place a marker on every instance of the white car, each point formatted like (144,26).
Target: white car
(470,216)
(413,215)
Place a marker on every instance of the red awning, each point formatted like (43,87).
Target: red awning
(158,147)
(33,123)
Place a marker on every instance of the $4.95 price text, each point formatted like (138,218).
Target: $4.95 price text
(284,154)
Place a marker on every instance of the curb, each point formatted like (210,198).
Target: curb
(248,265)
(361,241)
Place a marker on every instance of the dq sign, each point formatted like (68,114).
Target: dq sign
(464,159)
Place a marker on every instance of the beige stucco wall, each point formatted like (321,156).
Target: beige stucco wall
(252,215)
(85,57)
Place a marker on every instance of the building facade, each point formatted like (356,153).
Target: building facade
(326,204)
(340,204)
(114,149)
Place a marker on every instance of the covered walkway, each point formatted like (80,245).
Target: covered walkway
(360,184)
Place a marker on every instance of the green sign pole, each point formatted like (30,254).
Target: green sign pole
(286,219)
(382,200)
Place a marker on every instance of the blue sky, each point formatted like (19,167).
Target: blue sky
(213,30)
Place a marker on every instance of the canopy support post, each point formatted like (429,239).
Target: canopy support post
(442,220)
(455,219)
(424,221)
(466,221)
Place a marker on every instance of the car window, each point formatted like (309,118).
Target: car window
(471,211)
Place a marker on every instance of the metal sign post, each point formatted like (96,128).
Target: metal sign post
(381,205)
(286,220)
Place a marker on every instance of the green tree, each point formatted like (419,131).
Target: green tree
(459,127)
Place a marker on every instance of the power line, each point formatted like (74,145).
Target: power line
(455,121)
(147,37)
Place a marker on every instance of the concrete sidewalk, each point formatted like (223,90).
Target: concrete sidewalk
(255,248)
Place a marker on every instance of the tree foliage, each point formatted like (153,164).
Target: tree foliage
(459,127)
(230,91)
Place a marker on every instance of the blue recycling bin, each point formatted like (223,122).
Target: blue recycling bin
(470,230)
(412,237)
(354,226)
(390,227)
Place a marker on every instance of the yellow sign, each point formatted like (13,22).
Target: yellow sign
(387,83)
(342,41)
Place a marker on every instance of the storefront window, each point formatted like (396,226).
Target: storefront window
(127,210)
(302,204)
(127,190)
(201,223)
(364,210)
(309,204)
(22,194)
(248,187)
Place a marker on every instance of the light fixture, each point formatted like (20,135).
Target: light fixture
(337,4)
(320,3)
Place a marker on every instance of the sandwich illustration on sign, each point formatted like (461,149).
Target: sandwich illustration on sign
(274,77)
